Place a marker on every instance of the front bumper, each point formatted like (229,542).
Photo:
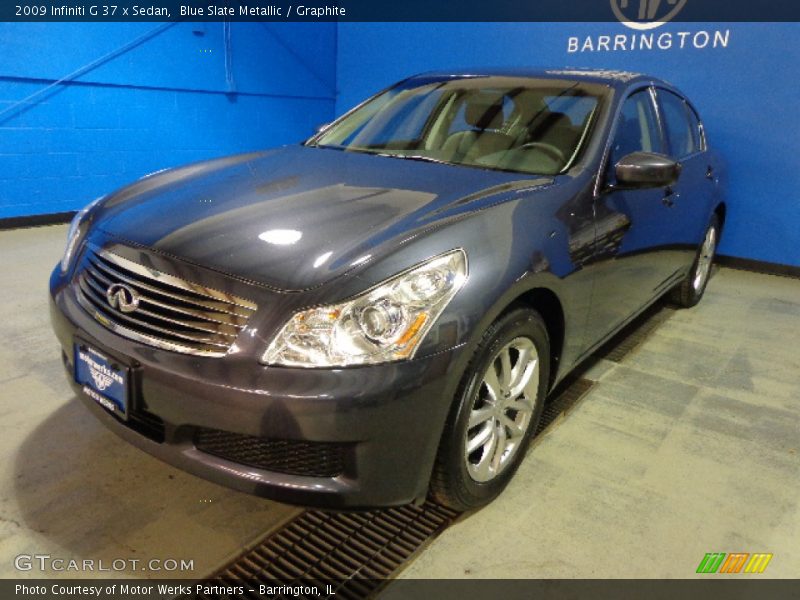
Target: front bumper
(385,419)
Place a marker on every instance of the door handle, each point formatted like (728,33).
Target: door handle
(667,199)
(710,172)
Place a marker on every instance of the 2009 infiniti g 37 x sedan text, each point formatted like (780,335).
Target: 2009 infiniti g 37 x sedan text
(379,313)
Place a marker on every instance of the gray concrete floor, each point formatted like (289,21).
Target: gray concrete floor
(689,446)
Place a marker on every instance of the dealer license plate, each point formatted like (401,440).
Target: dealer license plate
(102,378)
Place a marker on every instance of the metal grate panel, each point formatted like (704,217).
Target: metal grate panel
(634,334)
(564,401)
(355,552)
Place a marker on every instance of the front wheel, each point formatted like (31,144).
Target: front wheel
(497,408)
(690,291)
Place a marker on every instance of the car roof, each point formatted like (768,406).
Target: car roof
(616,79)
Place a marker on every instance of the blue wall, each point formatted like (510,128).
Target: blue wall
(165,101)
(746,90)
(162,103)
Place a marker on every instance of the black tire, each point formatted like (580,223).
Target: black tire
(686,294)
(451,483)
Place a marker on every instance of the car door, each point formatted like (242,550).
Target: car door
(631,262)
(690,203)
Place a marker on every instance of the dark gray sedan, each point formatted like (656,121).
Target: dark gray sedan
(379,313)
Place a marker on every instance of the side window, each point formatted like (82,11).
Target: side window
(680,132)
(637,130)
(697,130)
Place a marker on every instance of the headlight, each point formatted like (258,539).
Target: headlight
(75,234)
(383,324)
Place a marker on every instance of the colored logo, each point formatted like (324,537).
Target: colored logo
(646,14)
(736,562)
(122,297)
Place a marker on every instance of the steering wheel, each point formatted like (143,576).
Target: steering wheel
(548,149)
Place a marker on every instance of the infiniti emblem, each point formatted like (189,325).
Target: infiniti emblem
(122,297)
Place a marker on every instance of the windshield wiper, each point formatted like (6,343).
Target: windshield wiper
(418,157)
(328,146)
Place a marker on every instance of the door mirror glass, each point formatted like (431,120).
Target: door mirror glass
(647,170)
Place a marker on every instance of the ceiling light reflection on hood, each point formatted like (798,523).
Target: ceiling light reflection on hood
(281,237)
(322,259)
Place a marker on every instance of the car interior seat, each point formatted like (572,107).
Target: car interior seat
(485,120)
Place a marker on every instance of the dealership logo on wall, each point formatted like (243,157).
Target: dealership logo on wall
(645,16)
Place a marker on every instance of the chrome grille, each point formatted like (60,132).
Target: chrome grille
(172,313)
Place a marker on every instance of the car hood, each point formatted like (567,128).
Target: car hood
(296,217)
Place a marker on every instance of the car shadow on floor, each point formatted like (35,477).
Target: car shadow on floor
(83,491)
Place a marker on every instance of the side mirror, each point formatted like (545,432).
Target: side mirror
(647,170)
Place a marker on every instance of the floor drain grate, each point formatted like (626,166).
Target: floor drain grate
(632,336)
(563,402)
(354,552)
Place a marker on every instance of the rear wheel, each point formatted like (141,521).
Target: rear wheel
(690,291)
(497,408)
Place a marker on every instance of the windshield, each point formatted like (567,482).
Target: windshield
(535,126)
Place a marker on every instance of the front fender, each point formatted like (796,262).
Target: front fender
(522,242)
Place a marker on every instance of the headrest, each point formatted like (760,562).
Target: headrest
(484,112)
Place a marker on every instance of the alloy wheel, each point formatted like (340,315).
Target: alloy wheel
(502,410)
(705,259)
